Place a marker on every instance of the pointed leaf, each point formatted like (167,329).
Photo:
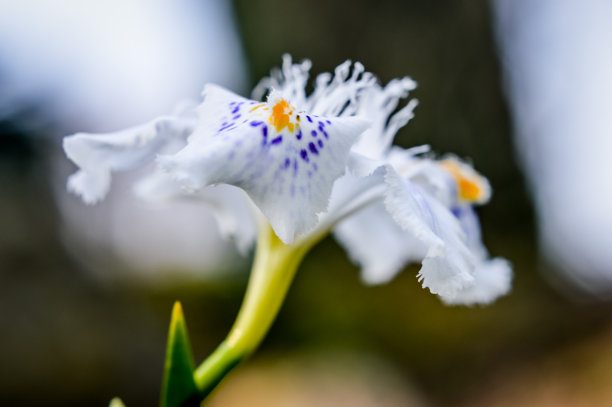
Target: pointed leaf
(178,387)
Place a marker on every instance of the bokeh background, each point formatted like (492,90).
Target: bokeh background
(84,310)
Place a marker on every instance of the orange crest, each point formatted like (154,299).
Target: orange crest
(471,186)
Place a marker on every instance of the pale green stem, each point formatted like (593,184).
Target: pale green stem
(273,270)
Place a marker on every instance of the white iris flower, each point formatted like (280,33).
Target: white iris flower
(312,164)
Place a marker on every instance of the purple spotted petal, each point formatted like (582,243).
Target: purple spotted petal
(289,179)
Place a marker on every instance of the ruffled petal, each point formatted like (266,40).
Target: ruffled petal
(468,219)
(290,80)
(97,155)
(377,244)
(229,205)
(371,237)
(448,274)
(379,104)
(91,185)
(492,279)
(286,160)
(455,263)
(415,210)
(448,264)
(341,94)
(409,225)
(334,95)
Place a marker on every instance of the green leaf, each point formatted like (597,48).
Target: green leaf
(178,386)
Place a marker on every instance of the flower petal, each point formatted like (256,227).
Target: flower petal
(448,274)
(98,155)
(340,95)
(229,205)
(375,242)
(290,81)
(285,160)
(414,210)
(449,263)
(378,104)
(92,186)
(371,237)
(492,279)
(334,95)
(454,266)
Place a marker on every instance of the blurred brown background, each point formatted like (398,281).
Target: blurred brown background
(69,339)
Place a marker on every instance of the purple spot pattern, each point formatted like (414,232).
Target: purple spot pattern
(313,148)
(255,164)
(264,133)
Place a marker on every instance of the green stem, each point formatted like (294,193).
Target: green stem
(273,270)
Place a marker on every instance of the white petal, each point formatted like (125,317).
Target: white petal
(98,155)
(448,274)
(371,237)
(229,205)
(375,242)
(414,210)
(492,279)
(362,166)
(92,186)
(288,174)
(448,265)
(411,226)
(378,104)
(457,270)
(290,81)
(340,95)
(334,95)
(428,174)
(468,219)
